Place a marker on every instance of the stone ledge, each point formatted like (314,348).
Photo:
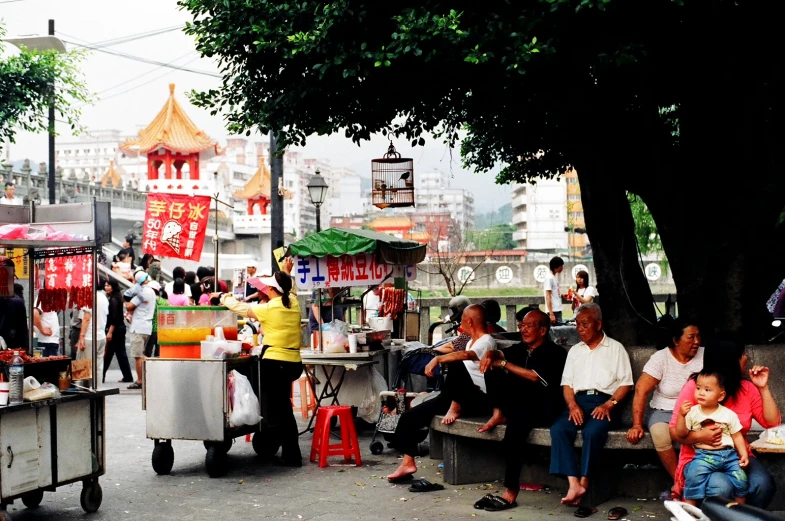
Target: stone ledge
(467,428)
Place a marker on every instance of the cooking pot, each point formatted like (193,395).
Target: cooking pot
(381,323)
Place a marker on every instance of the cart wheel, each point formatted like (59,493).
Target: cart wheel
(163,458)
(216,462)
(225,445)
(377,447)
(33,499)
(91,496)
(264,445)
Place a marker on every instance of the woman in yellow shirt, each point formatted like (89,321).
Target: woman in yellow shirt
(281,363)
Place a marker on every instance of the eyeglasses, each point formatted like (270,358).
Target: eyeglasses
(525,327)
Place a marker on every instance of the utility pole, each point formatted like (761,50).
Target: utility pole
(51,177)
(276,201)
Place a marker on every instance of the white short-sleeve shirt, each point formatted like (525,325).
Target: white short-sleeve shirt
(604,368)
(480,347)
(672,375)
(102,303)
(589,291)
(552,285)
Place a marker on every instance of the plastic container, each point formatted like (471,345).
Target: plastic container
(182,329)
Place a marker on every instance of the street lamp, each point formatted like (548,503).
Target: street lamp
(317,189)
(45,43)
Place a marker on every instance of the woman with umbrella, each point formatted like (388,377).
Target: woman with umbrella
(281,363)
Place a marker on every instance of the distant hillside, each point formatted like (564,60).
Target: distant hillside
(502,215)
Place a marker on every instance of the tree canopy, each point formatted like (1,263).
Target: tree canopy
(660,98)
(26,82)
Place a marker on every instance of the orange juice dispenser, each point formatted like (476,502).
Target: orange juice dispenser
(181,329)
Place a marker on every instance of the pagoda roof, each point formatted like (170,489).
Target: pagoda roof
(172,129)
(258,186)
(111,176)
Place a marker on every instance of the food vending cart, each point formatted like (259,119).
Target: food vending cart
(60,440)
(186,395)
(339,257)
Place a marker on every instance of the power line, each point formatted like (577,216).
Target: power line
(130,80)
(145,60)
(147,82)
(124,39)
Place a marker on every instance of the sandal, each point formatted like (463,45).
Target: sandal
(135,385)
(584,512)
(484,502)
(423,485)
(401,479)
(617,513)
(498,504)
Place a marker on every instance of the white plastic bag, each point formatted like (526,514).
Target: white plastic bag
(245,404)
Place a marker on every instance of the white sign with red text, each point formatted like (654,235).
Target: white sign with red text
(346,270)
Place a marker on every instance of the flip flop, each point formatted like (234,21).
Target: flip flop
(584,512)
(401,479)
(423,485)
(498,504)
(617,513)
(484,502)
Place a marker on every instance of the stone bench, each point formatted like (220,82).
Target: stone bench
(469,458)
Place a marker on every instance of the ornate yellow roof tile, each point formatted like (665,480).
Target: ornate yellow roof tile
(174,130)
(111,176)
(258,186)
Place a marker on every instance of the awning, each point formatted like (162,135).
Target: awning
(343,241)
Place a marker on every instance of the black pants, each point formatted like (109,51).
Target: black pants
(277,378)
(116,347)
(73,338)
(513,396)
(459,387)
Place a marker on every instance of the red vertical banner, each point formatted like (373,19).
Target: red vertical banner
(68,272)
(175,225)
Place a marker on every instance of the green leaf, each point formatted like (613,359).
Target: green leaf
(534,40)
(363,46)
(387,63)
(377,64)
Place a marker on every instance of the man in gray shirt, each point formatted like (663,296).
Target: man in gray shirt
(142,305)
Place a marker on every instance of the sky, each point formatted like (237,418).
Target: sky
(130,93)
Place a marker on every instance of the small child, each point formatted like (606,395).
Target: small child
(123,266)
(709,393)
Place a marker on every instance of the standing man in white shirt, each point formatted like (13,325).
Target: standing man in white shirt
(464,391)
(597,376)
(143,307)
(84,347)
(553,303)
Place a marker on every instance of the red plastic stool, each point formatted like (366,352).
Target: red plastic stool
(321,435)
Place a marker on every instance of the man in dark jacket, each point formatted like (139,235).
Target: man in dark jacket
(523,384)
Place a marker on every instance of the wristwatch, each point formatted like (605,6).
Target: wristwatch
(503,363)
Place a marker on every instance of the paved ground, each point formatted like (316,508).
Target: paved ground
(132,491)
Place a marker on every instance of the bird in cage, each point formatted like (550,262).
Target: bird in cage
(405,176)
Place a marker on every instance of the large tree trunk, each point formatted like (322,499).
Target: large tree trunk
(625,296)
(718,217)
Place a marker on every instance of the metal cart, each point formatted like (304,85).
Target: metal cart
(50,443)
(188,399)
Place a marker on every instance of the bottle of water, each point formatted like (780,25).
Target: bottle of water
(16,373)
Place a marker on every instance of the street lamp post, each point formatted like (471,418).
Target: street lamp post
(45,43)
(317,189)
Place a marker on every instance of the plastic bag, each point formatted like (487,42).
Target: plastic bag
(245,404)
(774,435)
(44,392)
(336,326)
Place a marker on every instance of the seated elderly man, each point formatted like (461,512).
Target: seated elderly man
(523,386)
(463,392)
(597,376)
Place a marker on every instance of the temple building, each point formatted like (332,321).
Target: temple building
(175,149)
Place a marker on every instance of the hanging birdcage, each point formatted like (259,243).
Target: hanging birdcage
(392,178)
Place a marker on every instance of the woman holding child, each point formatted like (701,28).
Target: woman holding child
(725,365)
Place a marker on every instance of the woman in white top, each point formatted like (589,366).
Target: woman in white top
(584,293)
(48,327)
(665,374)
